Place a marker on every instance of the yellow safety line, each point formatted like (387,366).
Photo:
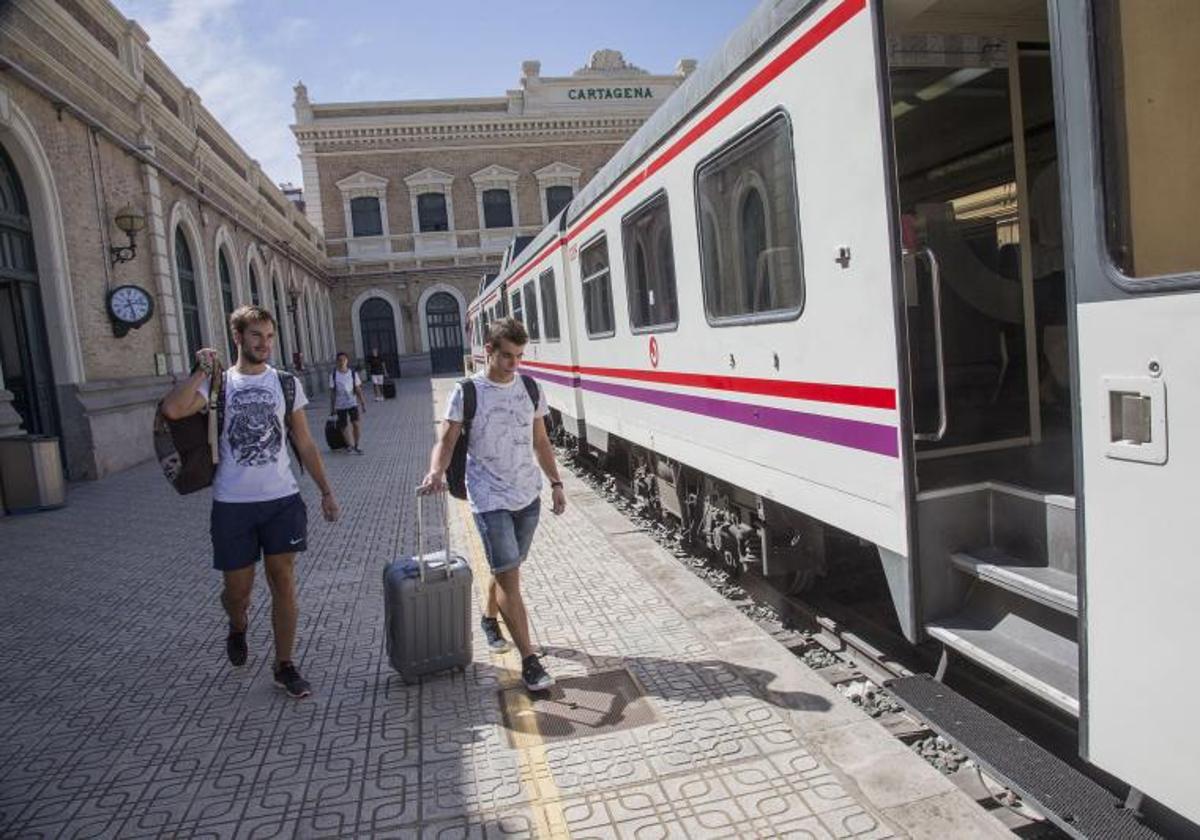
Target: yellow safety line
(534,768)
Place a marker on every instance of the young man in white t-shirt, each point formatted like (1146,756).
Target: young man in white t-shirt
(503,482)
(257,510)
(346,400)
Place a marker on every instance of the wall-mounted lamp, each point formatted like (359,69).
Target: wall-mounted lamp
(130,220)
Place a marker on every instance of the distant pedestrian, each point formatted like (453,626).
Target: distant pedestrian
(377,370)
(257,510)
(503,482)
(345,400)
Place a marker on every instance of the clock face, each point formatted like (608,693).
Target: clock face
(130,304)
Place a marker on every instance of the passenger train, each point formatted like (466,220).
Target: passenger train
(918,272)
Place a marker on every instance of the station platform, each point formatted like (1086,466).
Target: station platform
(674,714)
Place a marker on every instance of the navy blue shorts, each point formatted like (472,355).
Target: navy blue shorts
(242,532)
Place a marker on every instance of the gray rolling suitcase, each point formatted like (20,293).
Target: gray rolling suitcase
(427,607)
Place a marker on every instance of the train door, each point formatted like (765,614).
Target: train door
(976,165)
(1129,72)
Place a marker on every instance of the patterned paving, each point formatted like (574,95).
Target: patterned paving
(119,716)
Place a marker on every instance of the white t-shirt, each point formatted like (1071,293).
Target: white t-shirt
(502,473)
(255,464)
(343,389)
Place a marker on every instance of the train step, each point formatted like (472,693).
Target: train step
(1052,587)
(1069,799)
(1024,641)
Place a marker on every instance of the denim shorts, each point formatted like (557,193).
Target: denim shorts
(242,532)
(506,535)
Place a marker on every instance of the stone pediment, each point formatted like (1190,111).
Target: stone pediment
(557,170)
(428,177)
(493,174)
(362,181)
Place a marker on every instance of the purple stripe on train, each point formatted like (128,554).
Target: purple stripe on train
(567,382)
(855,434)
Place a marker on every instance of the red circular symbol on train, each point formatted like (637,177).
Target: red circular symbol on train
(573,253)
(653,352)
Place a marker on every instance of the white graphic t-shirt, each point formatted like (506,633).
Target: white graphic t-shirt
(255,464)
(502,473)
(343,389)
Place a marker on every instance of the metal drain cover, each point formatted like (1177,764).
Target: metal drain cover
(577,707)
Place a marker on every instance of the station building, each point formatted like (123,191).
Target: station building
(418,199)
(114,176)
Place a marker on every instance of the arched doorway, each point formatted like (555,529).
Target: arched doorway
(377,323)
(24,349)
(445,333)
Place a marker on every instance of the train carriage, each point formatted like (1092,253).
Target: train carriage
(918,273)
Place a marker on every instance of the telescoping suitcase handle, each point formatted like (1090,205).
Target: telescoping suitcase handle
(421,532)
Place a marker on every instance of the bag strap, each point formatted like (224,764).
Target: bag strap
(287,382)
(468,389)
(531,388)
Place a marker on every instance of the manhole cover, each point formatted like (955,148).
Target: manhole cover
(577,707)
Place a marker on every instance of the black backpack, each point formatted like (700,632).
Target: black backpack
(456,473)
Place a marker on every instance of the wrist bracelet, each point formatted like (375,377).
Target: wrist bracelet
(556,484)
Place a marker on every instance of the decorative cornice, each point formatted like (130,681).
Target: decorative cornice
(521,128)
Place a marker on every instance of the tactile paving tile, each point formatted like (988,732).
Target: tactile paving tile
(577,707)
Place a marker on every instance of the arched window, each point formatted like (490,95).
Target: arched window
(254,296)
(431,212)
(756,280)
(365,217)
(226,278)
(497,209)
(189,298)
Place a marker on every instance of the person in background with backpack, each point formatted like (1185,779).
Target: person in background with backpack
(345,400)
(377,370)
(504,433)
(257,510)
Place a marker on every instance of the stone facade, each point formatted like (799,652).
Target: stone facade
(369,166)
(91,120)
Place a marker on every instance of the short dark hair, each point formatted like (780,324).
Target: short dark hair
(251,313)
(342,353)
(506,328)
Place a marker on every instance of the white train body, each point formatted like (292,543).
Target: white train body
(817,305)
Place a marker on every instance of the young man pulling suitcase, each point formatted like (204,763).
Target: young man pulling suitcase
(257,509)
(503,482)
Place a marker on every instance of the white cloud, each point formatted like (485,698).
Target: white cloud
(205,45)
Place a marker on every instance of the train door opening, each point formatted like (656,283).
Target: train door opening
(975,155)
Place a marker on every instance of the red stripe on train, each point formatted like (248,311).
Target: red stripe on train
(864,396)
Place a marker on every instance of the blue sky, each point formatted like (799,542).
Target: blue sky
(244,56)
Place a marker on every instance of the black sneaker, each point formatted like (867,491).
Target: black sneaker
(235,647)
(358,451)
(534,675)
(495,638)
(289,679)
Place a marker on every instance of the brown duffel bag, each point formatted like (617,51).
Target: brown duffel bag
(188,450)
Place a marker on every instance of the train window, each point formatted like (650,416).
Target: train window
(650,265)
(597,289)
(1148,69)
(549,305)
(750,227)
(518,311)
(529,292)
